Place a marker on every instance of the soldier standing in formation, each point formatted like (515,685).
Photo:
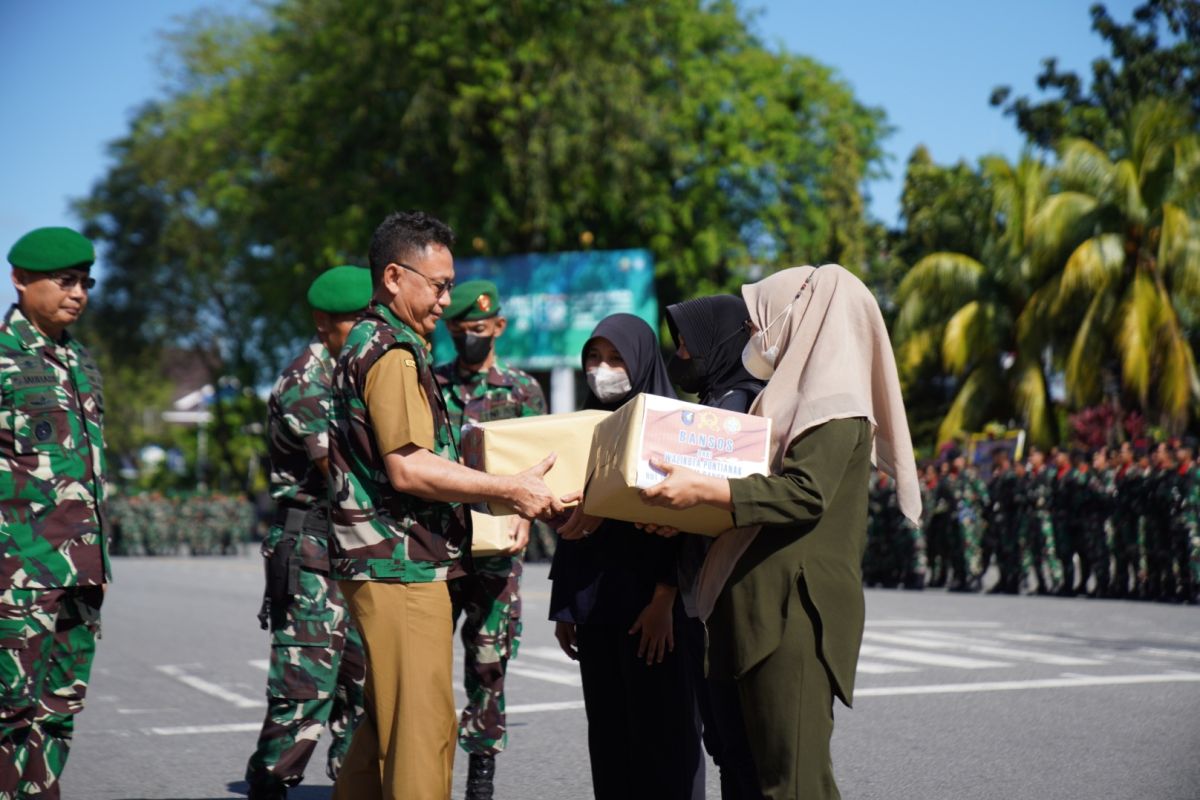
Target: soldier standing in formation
(316,669)
(53,537)
(478,387)
(1002,523)
(1132,526)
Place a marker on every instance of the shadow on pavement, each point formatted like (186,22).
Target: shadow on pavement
(239,787)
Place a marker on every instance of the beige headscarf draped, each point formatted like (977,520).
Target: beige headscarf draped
(835,362)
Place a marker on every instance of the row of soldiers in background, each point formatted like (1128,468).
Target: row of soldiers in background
(1122,524)
(155,524)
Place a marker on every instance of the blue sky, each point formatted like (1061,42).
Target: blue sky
(72,71)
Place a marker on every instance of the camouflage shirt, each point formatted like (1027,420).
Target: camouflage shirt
(51,461)
(501,392)
(298,435)
(380,533)
(298,427)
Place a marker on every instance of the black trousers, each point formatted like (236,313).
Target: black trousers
(643,724)
(724,733)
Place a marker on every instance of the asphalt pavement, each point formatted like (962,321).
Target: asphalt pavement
(958,696)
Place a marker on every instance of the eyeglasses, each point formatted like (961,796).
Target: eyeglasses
(441,287)
(68,280)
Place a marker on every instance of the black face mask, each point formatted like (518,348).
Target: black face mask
(472,349)
(686,374)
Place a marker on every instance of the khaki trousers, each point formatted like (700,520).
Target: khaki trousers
(404,748)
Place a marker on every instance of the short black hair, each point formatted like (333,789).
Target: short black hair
(402,234)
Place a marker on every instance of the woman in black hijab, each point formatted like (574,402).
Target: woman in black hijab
(709,335)
(616,609)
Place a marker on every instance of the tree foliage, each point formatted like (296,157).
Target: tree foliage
(1155,55)
(284,139)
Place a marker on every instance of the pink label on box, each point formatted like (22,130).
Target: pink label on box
(711,441)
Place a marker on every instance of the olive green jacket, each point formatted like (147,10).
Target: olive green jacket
(814,530)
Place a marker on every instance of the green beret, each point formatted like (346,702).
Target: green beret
(51,249)
(473,300)
(341,290)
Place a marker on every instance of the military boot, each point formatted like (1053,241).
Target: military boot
(266,788)
(479,777)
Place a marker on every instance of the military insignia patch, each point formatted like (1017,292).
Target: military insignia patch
(484,302)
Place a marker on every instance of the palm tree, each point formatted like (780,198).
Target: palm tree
(967,310)
(1116,251)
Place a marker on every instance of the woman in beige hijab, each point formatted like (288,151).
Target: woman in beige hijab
(782,593)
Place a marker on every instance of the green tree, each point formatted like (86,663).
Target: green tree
(1156,54)
(1119,244)
(962,312)
(285,139)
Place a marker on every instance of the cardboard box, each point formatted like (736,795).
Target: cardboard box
(509,446)
(490,535)
(711,441)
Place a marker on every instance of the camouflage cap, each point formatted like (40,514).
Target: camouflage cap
(473,300)
(340,290)
(51,249)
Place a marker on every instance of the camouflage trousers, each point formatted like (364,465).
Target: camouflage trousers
(1097,548)
(917,568)
(1127,550)
(1038,552)
(489,600)
(965,548)
(47,645)
(316,678)
(1006,540)
(1185,554)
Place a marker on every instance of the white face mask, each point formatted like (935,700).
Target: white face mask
(609,384)
(758,359)
(758,362)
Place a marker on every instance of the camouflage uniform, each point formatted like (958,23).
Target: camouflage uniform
(937,530)
(1037,531)
(1163,494)
(1070,491)
(1129,481)
(1097,511)
(490,595)
(1185,532)
(1002,522)
(969,498)
(52,546)
(317,667)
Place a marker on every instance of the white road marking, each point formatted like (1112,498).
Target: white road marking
(1038,637)
(1171,652)
(546,653)
(209,688)
(875,668)
(934,640)
(551,676)
(929,659)
(1069,682)
(185,730)
(534,708)
(929,623)
(260,663)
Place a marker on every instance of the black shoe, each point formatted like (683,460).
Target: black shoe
(267,791)
(479,777)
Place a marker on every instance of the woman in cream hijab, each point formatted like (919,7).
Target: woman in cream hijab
(782,593)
